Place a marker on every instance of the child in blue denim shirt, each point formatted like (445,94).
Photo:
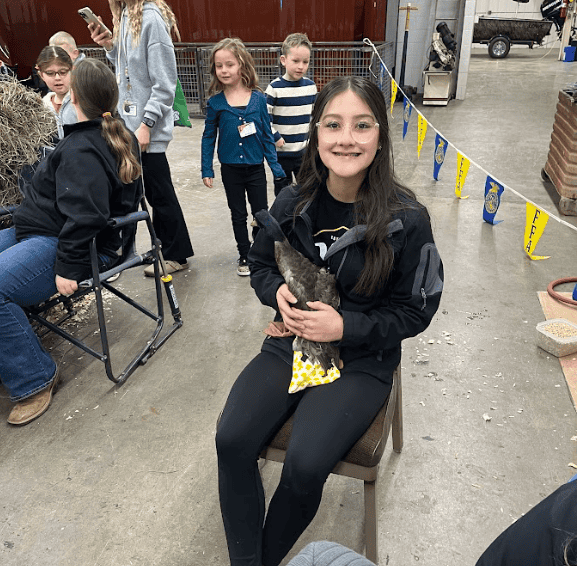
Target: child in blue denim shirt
(237,110)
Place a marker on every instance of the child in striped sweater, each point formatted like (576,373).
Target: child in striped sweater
(290,101)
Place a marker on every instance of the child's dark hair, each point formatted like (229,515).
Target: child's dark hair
(245,60)
(96,92)
(50,54)
(380,195)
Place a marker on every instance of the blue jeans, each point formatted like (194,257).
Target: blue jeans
(26,278)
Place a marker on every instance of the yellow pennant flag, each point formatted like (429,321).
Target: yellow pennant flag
(534,228)
(393,94)
(462,170)
(422,132)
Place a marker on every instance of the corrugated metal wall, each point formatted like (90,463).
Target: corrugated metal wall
(28,24)
(265,20)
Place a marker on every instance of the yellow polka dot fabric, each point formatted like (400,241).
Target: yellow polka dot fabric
(305,374)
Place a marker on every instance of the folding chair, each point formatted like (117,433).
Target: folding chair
(97,282)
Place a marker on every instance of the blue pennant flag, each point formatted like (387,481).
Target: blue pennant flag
(439,157)
(493,191)
(407,107)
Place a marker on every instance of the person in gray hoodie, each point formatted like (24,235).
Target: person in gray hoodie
(142,53)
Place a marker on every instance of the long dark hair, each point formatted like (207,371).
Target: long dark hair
(380,196)
(96,92)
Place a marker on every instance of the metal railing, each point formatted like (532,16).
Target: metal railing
(329,60)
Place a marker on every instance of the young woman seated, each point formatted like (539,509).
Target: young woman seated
(92,175)
(351,215)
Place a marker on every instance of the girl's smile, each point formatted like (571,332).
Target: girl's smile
(346,159)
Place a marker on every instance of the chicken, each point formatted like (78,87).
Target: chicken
(307,282)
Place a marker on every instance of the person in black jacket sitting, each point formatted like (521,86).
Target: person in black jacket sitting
(92,174)
(352,216)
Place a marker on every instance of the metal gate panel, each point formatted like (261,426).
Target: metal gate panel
(329,60)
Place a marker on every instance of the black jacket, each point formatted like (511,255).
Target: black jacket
(542,536)
(71,196)
(373,326)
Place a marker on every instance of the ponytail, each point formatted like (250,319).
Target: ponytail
(96,92)
(122,144)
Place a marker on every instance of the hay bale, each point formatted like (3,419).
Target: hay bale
(26,125)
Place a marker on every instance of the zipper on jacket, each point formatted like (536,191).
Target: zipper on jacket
(342,263)
(427,275)
(423,281)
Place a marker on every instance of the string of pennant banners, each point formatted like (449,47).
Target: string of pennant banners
(536,216)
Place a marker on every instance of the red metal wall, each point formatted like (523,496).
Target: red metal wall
(26,25)
(265,20)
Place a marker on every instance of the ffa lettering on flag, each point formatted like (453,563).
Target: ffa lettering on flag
(534,228)
(439,157)
(422,132)
(393,93)
(462,170)
(406,115)
(493,191)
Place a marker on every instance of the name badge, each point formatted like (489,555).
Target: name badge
(246,130)
(129,109)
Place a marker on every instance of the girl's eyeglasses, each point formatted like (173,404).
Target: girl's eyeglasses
(361,131)
(61,73)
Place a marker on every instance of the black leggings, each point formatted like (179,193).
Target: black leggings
(240,183)
(329,419)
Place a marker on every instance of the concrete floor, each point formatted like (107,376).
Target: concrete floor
(124,476)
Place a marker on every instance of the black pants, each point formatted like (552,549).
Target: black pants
(329,419)
(167,217)
(291,166)
(238,181)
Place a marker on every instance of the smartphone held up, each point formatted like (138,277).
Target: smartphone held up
(90,18)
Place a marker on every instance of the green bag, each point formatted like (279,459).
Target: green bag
(179,107)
